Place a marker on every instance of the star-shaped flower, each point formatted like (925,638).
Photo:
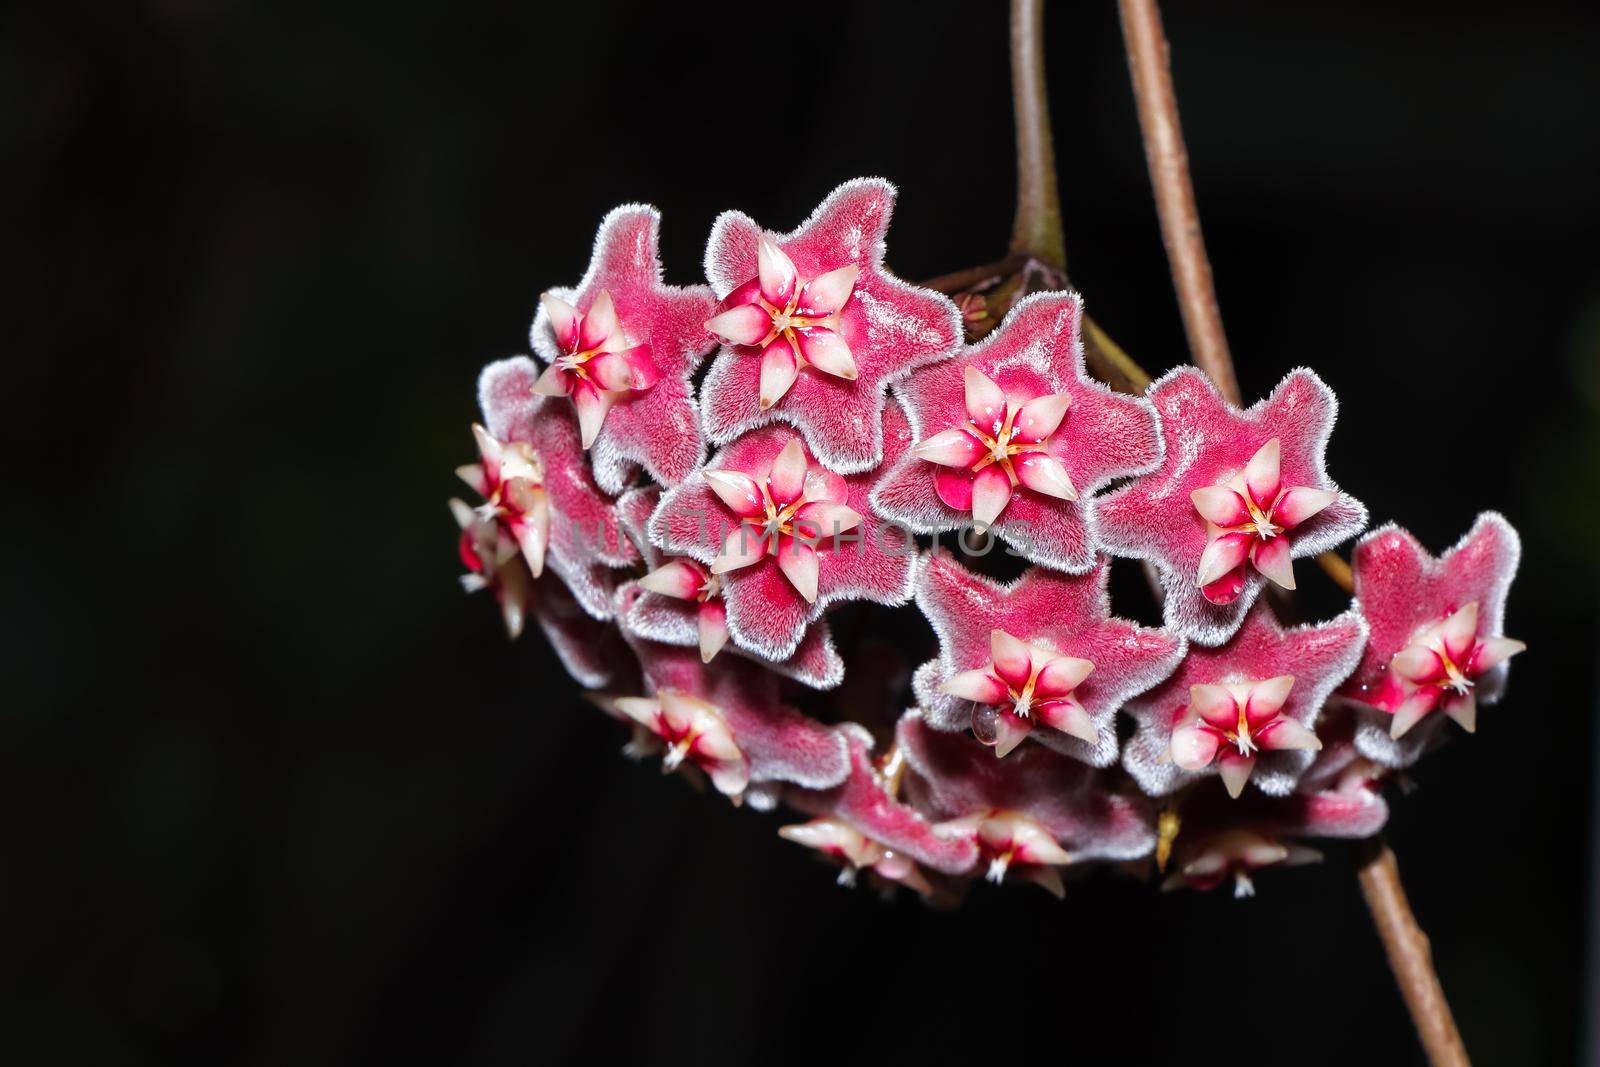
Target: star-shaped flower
(863,826)
(1249,705)
(509,476)
(815,328)
(777,742)
(786,536)
(1237,496)
(1082,664)
(1223,839)
(1013,434)
(623,345)
(1078,808)
(1438,634)
(586,647)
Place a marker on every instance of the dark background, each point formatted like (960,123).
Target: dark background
(275,791)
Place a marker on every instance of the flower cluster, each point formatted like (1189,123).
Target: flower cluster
(704,600)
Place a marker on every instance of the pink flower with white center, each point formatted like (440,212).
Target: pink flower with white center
(786,536)
(1023,682)
(1056,629)
(1237,853)
(586,647)
(623,345)
(1219,837)
(779,743)
(785,514)
(586,540)
(510,478)
(863,825)
(1439,668)
(1013,434)
(663,606)
(1246,710)
(693,730)
(951,777)
(794,323)
(855,852)
(1229,724)
(489,554)
(1438,634)
(1215,516)
(683,579)
(1248,519)
(1010,842)
(815,328)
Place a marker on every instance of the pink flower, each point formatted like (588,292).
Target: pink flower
(587,648)
(815,328)
(1044,648)
(1081,810)
(1238,495)
(1221,838)
(585,538)
(694,730)
(510,477)
(1249,705)
(1438,640)
(622,345)
(863,826)
(778,742)
(1013,434)
(1237,853)
(786,536)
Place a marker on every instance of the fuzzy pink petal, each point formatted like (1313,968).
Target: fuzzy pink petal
(1215,704)
(787,479)
(738,490)
(599,323)
(1220,505)
(1044,474)
(1261,473)
(991,492)
(1222,555)
(1271,558)
(1299,504)
(986,402)
(827,351)
(827,292)
(1012,662)
(1040,417)
(1193,748)
(776,272)
(678,578)
(1061,676)
(950,448)
(954,487)
(980,686)
(744,324)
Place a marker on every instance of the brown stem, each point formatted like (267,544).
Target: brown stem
(1148,62)
(1409,956)
(1037,229)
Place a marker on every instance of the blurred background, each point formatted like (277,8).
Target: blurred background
(275,791)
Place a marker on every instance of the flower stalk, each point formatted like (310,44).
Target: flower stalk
(1149,63)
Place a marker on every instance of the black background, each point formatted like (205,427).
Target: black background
(274,791)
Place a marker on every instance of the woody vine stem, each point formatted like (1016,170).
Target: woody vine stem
(1037,249)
